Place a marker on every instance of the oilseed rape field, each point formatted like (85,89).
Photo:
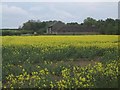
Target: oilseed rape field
(81,61)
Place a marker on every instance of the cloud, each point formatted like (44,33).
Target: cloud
(51,12)
(36,8)
(13,16)
(18,13)
(60,1)
(0,9)
(63,13)
(13,10)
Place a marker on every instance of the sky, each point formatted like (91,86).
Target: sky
(14,14)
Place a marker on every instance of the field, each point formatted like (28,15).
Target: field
(86,61)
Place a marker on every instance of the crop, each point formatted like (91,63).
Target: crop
(97,76)
(53,61)
(37,48)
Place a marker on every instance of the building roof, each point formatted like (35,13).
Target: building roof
(61,27)
(74,28)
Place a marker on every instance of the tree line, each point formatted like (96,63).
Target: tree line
(108,26)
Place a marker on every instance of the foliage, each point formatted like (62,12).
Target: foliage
(107,27)
(100,75)
(90,22)
(37,48)
(15,32)
(49,61)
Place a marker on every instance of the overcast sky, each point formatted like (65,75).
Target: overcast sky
(15,14)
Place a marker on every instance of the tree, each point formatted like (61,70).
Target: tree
(89,22)
(33,25)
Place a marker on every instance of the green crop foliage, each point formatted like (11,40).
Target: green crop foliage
(54,61)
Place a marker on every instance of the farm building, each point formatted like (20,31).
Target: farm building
(61,28)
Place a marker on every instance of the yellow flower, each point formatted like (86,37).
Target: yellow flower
(82,79)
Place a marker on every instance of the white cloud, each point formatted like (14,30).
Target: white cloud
(12,16)
(13,10)
(18,13)
(36,8)
(49,12)
(0,8)
(61,12)
(59,0)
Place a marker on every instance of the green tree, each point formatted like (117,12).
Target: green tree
(90,22)
(35,26)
